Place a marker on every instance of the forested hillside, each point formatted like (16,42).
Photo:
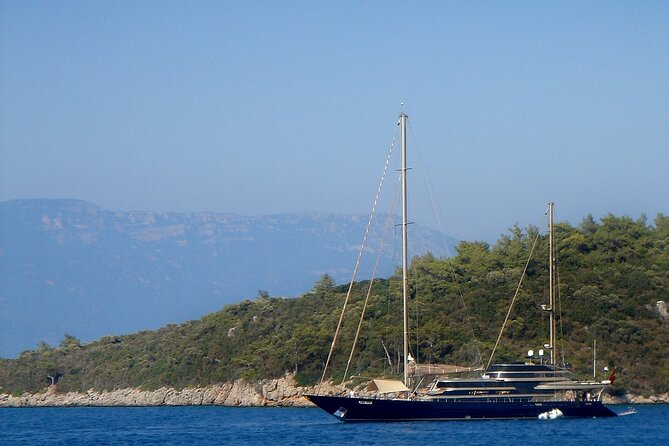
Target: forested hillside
(612,275)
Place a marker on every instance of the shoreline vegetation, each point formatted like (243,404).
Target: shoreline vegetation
(280,392)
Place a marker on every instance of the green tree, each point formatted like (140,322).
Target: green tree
(324,283)
(70,341)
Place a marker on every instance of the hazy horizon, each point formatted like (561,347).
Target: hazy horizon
(494,238)
(261,108)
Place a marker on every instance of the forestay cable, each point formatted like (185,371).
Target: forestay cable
(508,313)
(369,292)
(357,262)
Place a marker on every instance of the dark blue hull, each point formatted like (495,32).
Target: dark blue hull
(367,409)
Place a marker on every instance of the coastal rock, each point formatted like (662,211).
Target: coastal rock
(629,398)
(222,394)
(653,399)
(209,395)
(271,392)
(243,394)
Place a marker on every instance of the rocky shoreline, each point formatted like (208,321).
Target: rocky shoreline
(280,392)
(629,398)
(271,392)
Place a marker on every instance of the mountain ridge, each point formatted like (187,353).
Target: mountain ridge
(70,266)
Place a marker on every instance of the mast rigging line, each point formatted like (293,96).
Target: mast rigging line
(508,313)
(428,188)
(369,292)
(360,252)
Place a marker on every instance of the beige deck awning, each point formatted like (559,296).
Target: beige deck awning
(387,386)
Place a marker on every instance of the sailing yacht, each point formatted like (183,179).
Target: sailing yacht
(528,389)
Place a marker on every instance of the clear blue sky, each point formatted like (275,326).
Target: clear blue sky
(261,107)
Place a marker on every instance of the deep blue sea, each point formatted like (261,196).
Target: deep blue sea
(226,425)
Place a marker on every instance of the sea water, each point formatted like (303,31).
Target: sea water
(195,426)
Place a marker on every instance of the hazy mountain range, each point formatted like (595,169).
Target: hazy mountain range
(69,266)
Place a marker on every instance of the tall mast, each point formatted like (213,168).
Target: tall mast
(405,285)
(551,286)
